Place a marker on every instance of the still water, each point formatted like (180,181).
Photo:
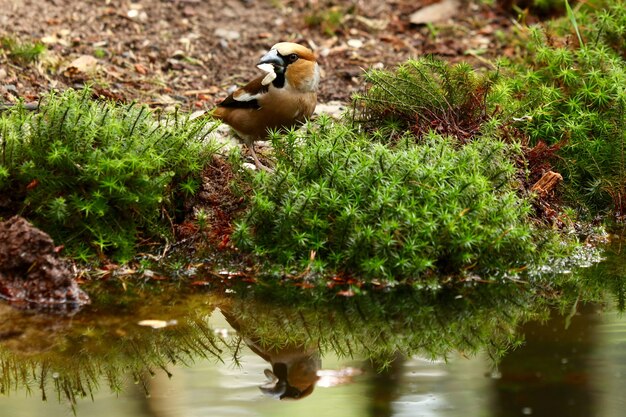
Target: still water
(479,350)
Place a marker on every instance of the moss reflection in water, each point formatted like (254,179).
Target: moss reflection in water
(74,357)
(381,325)
(102,346)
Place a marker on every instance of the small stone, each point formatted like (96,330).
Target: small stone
(227,34)
(165,99)
(355,43)
(11,89)
(196,114)
(333,108)
(130,55)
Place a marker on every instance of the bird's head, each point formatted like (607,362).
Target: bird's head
(293,63)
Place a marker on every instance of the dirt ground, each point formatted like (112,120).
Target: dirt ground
(31,271)
(190,52)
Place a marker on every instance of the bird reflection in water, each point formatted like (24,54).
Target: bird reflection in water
(294,366)
(293,373)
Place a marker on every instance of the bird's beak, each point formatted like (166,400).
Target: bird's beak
(274,59)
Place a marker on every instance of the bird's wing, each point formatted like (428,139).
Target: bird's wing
(247,96)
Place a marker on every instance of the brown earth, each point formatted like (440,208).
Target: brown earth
(32,274)
(189,52)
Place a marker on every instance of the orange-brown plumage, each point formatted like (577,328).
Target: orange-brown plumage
(281,100)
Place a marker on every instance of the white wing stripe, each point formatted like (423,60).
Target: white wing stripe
(246,96)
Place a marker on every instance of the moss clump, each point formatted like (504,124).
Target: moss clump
(98,176)
(392,213)
(608,26)
(427,95)
(22,52)
(571,93)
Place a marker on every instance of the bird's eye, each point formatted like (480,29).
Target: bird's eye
(293,57)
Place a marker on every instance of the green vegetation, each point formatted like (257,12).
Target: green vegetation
(395,213)
(98,176)
(379,326)
(427,95)
(430,177)
(572,96)
(22,52)
(328,19)
(430,182)
(607,26)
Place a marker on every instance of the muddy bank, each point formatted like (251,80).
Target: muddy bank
(32,274)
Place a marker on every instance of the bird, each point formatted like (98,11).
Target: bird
(281,99)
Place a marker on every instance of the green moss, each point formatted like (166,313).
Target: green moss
(609,27)
(392,213)
(327,19)
(573,95)
(424,95)
(22,52)
(98,176)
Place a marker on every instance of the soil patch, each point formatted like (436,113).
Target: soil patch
(32,274)
(190,52)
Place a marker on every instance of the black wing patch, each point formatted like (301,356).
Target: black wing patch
(232,103)
(252,90)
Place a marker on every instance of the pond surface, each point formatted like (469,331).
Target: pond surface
(478,350)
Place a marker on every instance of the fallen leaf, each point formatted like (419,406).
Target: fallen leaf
(224,243)
(83,64)
(227,34)
(200,283)
(374,24)
(210,90)
(437,12)
(164,99)
(32,184)
(141,69)
(54,39)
